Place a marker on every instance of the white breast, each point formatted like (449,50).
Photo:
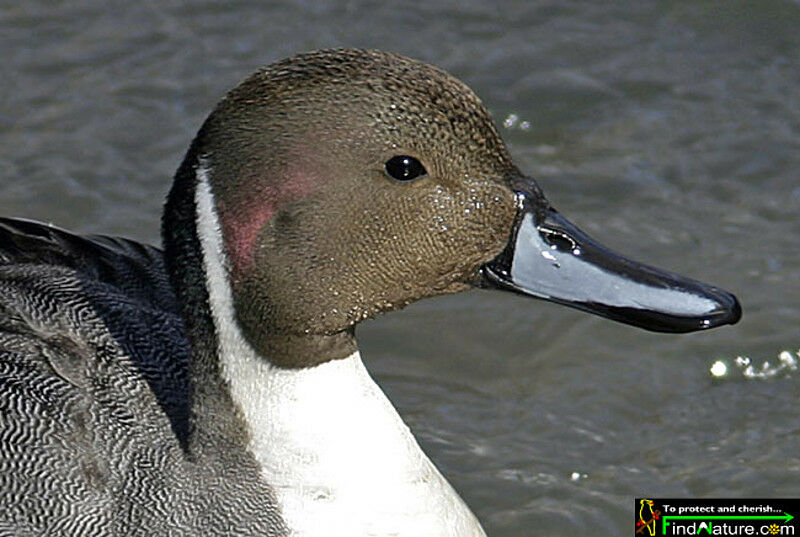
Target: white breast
(339,457)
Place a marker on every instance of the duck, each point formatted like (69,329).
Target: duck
(214,386)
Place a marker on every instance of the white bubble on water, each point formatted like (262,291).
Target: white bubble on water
(719,369)
(787,363)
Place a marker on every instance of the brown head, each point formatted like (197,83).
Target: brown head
(348,183)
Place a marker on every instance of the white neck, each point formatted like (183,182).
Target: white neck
(340,459)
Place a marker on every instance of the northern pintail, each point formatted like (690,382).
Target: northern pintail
(216,388)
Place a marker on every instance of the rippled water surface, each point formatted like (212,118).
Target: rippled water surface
(669,130)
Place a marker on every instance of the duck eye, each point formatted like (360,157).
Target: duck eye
(404,168)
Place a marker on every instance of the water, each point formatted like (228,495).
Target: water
(670,130)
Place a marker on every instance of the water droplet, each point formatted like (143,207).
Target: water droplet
(718,369)
(788,360)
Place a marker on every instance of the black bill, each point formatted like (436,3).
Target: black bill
(549,258)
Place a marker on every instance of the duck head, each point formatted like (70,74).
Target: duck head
(346,183)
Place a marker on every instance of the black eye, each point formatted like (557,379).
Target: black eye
(404,168)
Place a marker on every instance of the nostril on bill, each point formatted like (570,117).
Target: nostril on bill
(557,240)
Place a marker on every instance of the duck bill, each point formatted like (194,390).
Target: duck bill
(550,258)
